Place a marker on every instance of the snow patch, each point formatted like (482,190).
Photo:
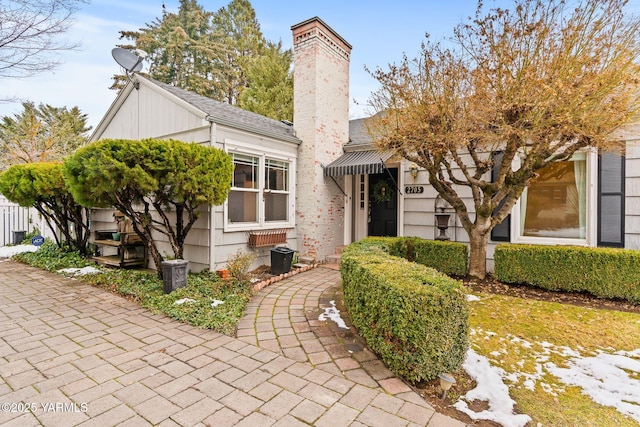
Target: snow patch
(216,302)
(472,298)
(605,379)
(9,251)
(79,271)
(608,377)
(491,388)
(333,314)
(184,301)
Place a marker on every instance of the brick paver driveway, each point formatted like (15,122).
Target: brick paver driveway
(72,354)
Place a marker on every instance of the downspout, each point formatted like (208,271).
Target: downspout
(212,209)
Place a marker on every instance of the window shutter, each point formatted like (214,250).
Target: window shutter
(611,192)
(502,231)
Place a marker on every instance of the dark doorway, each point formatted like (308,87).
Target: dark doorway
(383,204)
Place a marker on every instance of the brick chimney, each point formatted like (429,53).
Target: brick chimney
(321,121)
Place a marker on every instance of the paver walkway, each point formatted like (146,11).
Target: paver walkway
(72,354)
(284,318)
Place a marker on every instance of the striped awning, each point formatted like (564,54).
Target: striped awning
(357,163)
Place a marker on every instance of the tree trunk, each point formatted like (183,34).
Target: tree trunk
(147,238)
(157,257)
(478,241)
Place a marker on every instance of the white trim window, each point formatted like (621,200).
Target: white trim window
(276,190)
(260,195)
(559,206)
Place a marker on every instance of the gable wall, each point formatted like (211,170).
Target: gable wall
(147,113)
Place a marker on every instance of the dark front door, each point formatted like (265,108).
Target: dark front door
(383,204)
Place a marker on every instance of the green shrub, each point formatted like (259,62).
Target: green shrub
(201,291)
(52,258)
(449,258)
(414,317)
(603,272)
(147,289)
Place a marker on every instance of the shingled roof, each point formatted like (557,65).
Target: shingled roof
(229,115)
(359,137)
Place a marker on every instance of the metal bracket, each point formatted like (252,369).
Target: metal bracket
(336,182)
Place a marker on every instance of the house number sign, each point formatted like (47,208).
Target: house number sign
(414,189)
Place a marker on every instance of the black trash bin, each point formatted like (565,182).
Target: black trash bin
(281,260)
(18,237)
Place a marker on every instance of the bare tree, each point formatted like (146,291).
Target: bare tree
(529,86)
(30,32)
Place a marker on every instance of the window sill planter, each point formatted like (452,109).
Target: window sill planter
(259,239)
(174,274)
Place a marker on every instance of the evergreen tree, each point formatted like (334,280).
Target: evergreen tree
(41,134)
(241,34)
(184,50)
(218,55)
(270,91)
(159,185)
(42,185)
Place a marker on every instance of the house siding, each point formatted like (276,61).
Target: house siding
(229,243)
(149,113)
(632,195)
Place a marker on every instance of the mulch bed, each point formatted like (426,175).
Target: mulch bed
(491,285)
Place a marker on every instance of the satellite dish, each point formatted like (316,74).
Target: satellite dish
(130,61)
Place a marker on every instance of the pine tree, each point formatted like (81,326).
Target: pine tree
(41,134)
(241,33)
(184,50)
(270,91)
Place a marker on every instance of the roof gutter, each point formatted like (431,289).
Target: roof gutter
(252,129)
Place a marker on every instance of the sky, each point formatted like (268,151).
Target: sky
(379,32)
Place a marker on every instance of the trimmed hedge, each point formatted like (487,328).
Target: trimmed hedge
(414,317)
(603,272)
(449,258)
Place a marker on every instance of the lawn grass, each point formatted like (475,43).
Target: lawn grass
(519,335)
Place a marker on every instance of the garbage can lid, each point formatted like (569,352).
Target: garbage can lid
(282,250)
